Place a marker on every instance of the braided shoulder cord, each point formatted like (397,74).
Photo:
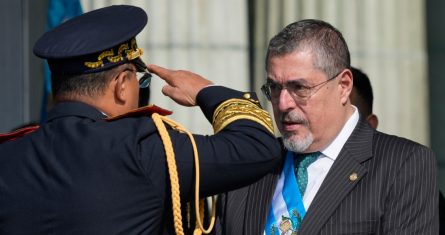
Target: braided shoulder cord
(173,172)
(174,182)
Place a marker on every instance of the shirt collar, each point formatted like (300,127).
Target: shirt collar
(335,147)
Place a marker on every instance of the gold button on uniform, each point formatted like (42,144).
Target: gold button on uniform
(353,177)
(246,96)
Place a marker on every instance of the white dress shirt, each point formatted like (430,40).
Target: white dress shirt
(318,170)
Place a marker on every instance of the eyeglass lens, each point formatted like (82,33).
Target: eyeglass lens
(144,79)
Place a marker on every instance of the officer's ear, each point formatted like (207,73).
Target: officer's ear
(120,87)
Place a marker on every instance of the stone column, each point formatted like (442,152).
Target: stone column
(22,22)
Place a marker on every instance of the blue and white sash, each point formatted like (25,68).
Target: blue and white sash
(287,210)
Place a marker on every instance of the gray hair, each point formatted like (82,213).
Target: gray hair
(322,39)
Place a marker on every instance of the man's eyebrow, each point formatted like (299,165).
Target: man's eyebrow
(269,80)
(301,81)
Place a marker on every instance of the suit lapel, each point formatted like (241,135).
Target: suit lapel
(343,176)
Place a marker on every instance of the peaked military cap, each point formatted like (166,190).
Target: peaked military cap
(95,41)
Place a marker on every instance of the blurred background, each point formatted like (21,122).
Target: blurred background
(400,44)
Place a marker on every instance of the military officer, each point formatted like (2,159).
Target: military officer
(98,164)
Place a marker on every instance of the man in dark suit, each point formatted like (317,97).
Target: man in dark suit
(97,165)
(362,96)
(339,175)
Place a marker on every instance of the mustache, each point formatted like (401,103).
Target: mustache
(294,118)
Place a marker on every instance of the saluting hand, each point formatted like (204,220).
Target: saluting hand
(182,86)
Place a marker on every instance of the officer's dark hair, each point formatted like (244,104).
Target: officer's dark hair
(91,84)
(329,47)
(363,90)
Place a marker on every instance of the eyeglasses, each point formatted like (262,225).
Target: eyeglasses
(298,91)
(144,78)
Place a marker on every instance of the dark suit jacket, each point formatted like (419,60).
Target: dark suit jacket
(80,174)
(395,193)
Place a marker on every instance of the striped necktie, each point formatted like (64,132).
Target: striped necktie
(302,161)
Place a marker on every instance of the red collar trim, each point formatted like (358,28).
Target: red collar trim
(144,111)
(17,133)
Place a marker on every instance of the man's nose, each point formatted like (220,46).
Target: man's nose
(285,101)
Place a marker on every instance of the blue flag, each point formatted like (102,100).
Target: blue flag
(58,12)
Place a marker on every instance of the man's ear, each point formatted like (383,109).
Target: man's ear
(120,84)
(345,83)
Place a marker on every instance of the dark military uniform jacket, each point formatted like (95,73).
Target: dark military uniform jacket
(81,174)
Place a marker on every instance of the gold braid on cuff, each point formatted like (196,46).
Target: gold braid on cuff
(236,109)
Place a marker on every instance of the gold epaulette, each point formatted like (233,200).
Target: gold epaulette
(235,109)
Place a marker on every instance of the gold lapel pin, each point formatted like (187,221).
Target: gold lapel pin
(353,177)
